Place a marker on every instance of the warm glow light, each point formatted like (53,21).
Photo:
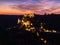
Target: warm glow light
(41,27)
(32,28)
(42,39)
(26,23)
(28,29)
(41,24)
(19,20)
(31,24)
(45,41)
(54,31)
(46,30)
(29,15)
(37,34)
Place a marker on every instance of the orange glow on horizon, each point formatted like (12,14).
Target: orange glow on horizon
(14,11)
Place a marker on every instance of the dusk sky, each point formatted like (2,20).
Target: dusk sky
(29,6)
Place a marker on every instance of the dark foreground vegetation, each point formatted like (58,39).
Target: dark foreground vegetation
(19,36)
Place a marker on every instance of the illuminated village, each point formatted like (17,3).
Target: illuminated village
(25,21)
(29,26)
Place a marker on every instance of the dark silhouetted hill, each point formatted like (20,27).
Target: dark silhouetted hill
(52,20)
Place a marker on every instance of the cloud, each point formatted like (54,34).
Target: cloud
(40,8)
(29,6)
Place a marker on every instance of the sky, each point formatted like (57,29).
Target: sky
(29,6)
